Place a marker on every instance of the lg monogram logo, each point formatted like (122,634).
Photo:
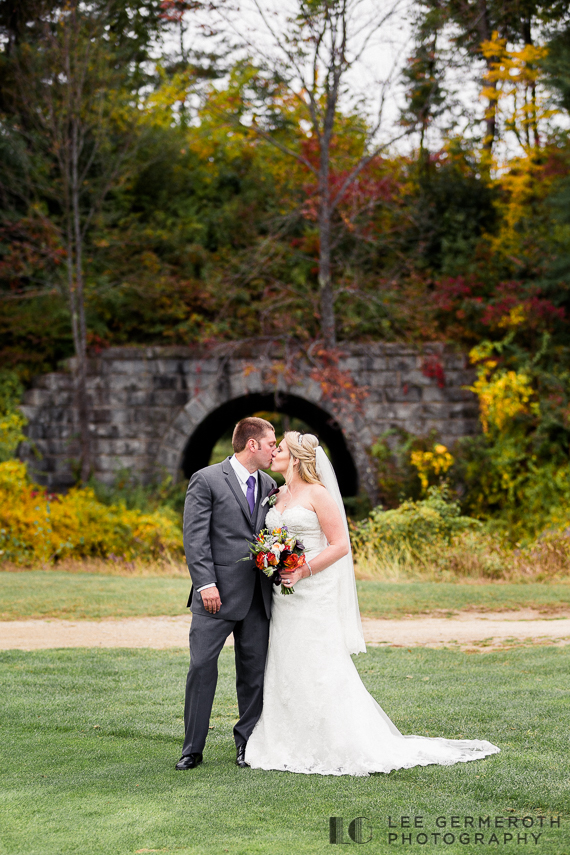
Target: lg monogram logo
(358,830)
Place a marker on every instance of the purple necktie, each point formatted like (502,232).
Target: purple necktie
(250,495)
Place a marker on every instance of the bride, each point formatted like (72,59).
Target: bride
(318,717)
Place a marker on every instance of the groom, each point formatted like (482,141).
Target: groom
(225,508)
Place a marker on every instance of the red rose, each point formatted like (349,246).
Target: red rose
(259,560)
(292,562)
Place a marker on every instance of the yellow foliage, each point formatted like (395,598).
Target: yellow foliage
(437,461)
(11,433)
(523,110)
(502,395)
(35,526)
(510,84)
(515,318)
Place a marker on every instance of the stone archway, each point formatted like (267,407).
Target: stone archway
(162,408)
(198,449)
(189,441)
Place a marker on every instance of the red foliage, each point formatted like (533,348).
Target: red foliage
(470,302)
(173,10)
(433,368)
(364,192)
(96,344)
(51,497)
(556,163)
(337,386)
(534,307)
(449,292)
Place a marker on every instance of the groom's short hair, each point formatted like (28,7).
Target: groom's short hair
(249,428)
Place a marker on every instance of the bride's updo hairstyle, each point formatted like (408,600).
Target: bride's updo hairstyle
(302,447)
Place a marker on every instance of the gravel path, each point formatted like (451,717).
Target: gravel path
(465,630)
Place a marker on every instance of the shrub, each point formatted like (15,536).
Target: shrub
(11,420)
(38,527)
(413,526)
(517,472)
(396,455)
(430,539)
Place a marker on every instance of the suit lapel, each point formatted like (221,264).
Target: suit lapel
(235,487)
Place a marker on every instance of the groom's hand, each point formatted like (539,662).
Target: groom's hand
(211,600)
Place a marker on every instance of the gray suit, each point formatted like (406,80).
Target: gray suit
(217,526)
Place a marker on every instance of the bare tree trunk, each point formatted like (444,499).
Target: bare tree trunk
(533,120)
(336,25)
(81,342)
(80,374)
(484,32)
(66,96)
(490,120)
(326,294)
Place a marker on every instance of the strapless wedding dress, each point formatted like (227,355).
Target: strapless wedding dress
(318,718)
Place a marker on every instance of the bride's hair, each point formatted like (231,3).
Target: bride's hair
(302,447)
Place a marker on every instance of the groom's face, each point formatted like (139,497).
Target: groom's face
(265,450)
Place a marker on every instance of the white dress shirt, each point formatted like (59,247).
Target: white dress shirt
(242,475)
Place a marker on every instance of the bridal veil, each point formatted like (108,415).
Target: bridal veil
(348,600)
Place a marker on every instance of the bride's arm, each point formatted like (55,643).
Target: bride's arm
(333,527)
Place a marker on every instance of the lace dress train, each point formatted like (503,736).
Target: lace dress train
(318,717)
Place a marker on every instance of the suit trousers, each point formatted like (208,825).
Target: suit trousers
(207,637)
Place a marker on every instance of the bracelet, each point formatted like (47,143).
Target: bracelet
(309,566)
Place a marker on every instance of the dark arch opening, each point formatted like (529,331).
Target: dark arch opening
(199,447)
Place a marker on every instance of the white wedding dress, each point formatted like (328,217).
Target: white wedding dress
(318,717)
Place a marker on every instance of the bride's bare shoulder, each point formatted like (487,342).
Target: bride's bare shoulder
(320,497)
(317,489)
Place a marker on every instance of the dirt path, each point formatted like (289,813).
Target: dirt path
(466,630)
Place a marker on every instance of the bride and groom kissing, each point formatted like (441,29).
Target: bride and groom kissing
(302,705)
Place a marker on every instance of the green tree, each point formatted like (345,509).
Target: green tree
(75,127)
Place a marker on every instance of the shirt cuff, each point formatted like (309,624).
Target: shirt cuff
(203,588)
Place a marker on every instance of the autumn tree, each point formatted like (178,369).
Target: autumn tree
(73,129)
(465,27)
(303,62)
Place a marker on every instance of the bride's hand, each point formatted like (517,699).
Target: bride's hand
(291,577)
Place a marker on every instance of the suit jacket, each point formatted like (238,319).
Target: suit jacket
(217,528)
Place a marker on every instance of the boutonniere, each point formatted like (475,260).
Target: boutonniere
(271,497)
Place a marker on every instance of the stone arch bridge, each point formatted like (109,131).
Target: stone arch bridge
(156,409)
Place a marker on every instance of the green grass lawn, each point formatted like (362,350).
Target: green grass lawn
(37,593)
(90,738)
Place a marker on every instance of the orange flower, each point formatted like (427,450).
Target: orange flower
(293,561)
(272,559)
(259,560)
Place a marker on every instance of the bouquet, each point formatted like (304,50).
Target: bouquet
(276,550)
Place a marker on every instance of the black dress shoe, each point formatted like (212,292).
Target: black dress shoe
(188,761)
(240,757)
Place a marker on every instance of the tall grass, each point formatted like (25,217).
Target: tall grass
(472,555)
(430,540)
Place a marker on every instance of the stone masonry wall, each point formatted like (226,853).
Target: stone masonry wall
(146,403)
